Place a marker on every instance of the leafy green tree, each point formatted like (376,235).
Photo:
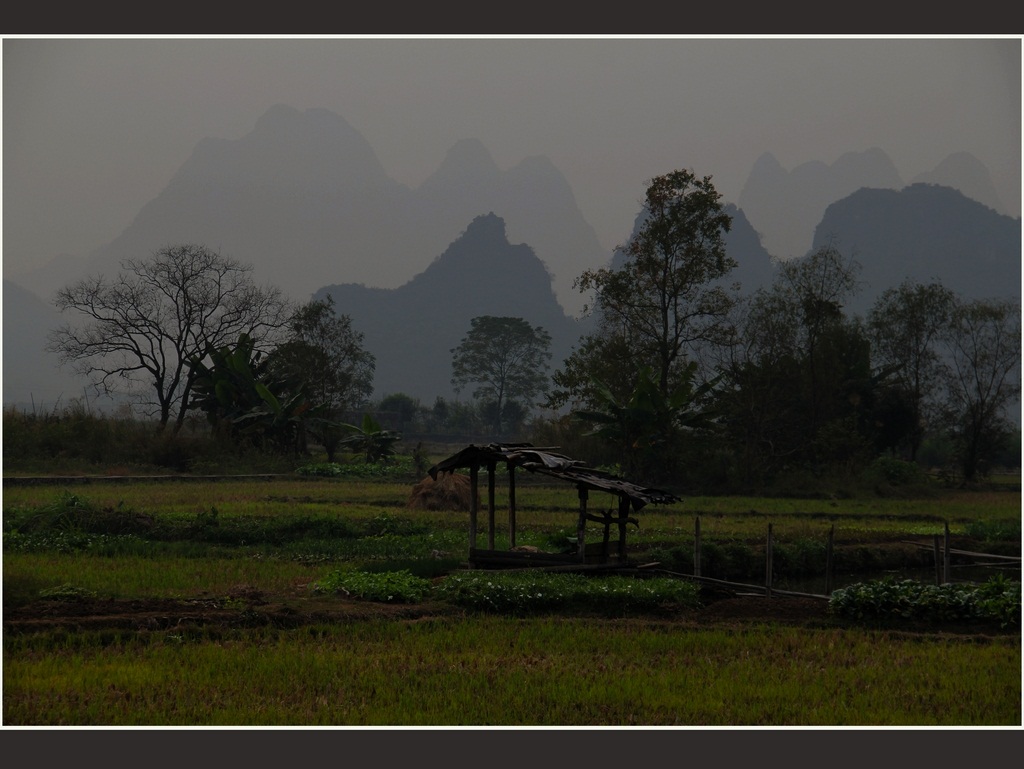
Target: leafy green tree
(905,325)
(983,354)
(404,406)
(326,354)
(506,358)
(815,288)
(142,327)
(801,387)
(605,357)
(668,298)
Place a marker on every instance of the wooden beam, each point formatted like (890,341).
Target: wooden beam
(623,520)
(511,505)
(474,485)
(581,524)
(490,505)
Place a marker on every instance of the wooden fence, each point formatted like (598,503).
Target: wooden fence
(940,544)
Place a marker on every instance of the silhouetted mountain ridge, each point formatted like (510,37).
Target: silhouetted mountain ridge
(305,200)
(784,206)
(925,232)
(413,328)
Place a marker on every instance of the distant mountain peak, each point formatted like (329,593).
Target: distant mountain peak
(281,121)
(766,163)
(411,329)
(469,153)
(487,226)
(467,164)
(483,254)
(965,172)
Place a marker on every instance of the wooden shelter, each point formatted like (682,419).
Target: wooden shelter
(545,461)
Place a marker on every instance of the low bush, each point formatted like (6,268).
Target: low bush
(399,467)
(522,593)
(1006,529)
(384,587)
(67,593)
(998,600)
(385,524)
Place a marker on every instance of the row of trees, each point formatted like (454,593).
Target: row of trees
(684,368)
(683,376)
(189,329)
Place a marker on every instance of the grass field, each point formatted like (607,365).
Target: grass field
(74,551)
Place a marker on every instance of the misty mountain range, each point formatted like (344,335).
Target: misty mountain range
(305,200)
(786,206)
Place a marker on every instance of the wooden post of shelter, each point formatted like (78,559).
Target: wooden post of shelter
(581,524)
(490,504)
(696,548)
(606,536)
(945,554)
(511,505)
(829,558)
(623,519)
(474,483)
(768,564)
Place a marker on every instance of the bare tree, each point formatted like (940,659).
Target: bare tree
(140,329)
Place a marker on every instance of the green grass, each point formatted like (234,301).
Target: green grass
(25,575)
(515,672)
(566,666)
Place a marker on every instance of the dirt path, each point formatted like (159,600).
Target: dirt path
(250,608)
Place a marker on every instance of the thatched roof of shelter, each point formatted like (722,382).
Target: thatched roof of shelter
(549,462)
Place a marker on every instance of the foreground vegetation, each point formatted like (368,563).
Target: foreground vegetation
(506,671)
(557,649)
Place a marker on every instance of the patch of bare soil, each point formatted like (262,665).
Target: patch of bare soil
(251,608)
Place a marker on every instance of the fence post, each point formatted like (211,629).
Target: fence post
(829,544)
(938,560)
(768,565)
(696,549)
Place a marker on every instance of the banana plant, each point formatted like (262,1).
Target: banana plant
(238,395)
(649,421)
(371,440)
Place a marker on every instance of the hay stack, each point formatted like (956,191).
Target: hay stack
(450,491)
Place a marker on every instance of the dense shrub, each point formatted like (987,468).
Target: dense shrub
(730,560)
(527,592)
(384,587)
(994,531)
(998,600)
(802,558)
(76,439)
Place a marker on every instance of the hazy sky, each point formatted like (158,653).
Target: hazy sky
(95,128)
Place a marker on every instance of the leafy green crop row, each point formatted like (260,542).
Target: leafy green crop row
(518,593)
(997,600)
